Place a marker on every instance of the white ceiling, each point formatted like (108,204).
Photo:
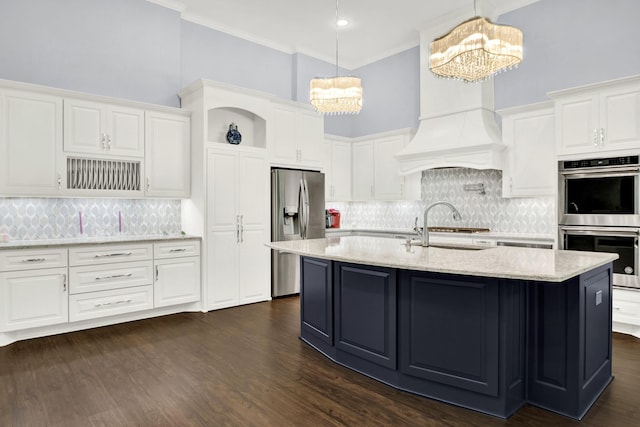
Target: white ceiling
(377,29)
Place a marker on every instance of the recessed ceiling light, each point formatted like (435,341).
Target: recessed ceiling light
(342,22)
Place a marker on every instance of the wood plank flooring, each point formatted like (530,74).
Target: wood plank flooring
(243,366)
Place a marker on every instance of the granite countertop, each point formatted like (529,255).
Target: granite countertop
(95,240)
(495,261)
(409,232)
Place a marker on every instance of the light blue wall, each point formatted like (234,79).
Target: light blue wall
(570,43)
(391,94)
(137,50)
(122,48)
(211,54)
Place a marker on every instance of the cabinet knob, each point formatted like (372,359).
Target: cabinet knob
(595,137)
(601,136)
(59,181)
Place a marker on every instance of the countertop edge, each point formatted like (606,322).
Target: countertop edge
(53,243)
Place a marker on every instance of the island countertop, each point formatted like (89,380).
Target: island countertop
(500,261)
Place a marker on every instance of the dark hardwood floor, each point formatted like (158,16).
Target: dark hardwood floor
(240,367)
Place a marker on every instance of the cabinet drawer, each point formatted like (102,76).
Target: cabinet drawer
(108,303)
(176,249)
(28,259)
(106,254)
(90,278)
(626,307)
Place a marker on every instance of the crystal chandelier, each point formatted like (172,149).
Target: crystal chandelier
(339,94)
(476,50)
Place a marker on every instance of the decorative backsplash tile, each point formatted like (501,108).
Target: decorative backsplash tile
(490,210)
(31,219)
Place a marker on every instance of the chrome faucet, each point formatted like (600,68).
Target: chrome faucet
(425,227)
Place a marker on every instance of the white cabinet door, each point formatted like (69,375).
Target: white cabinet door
(29,299)
(254,257)
(167,159)
(388,184)
(253,190)
(177,281)
(31,161)
(577,119)
(620,118)
(362,171)
(97,128)
(222,190)
(284,135)
(531,165)
(339,178)
(222,269)
(309,135)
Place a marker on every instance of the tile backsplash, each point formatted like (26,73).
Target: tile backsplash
(35,218)
(490,210)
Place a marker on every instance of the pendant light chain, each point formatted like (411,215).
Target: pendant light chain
(337,74)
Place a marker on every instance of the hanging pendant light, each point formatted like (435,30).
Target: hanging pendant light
(339,94)
(475,50)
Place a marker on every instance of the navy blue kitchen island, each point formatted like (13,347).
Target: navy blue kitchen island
(486,343)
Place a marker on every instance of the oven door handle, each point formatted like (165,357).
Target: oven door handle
(602,231)
(600,173)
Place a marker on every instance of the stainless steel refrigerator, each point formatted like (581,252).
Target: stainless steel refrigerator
(297,212)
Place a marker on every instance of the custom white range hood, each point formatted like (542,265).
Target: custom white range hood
(457,123)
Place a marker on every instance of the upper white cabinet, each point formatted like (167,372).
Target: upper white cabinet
(167,155)
(362,172)
(530,164)
(31,161)
(375,169)
(598,119)
(297,136)
(97,128)
(337,170)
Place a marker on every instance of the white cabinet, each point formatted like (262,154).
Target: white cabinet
(97,128)
(530,164)
(31,144)
(337,170)
(598,119)
(362,172)
(375,169)
(177,272)
(167,155)
(33,288)
(111,279)
(297,136)
(626,311)
(237,260)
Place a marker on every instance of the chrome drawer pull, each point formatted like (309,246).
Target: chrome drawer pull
(102,304)
(113,276)
(178,250)
(114,254)
(34,260)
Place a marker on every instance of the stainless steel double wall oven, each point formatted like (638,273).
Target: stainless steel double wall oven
(600,211)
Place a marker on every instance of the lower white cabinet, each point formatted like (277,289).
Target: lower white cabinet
(33,288)
(92,305)
(177,273)
(626,311)
(32,298)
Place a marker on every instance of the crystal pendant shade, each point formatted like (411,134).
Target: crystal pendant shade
(336,95)
(476,50)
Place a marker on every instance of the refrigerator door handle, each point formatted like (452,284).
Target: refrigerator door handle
(301,210)
(306,208)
